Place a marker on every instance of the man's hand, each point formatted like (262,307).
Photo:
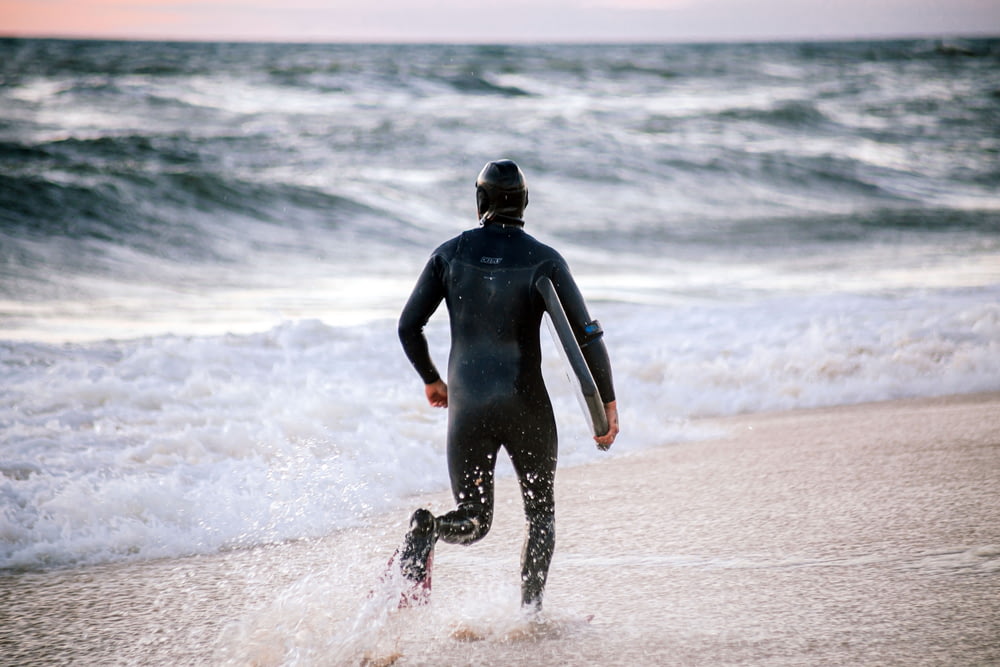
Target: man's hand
(605,441)
(437,394)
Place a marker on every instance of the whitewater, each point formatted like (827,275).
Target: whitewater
(204,249)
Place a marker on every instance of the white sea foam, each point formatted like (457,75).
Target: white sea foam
(172,445)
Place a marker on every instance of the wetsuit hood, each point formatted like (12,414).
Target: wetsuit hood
(501,193)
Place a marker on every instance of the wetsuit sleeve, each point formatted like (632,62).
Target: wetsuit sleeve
(424,300)
(588,332)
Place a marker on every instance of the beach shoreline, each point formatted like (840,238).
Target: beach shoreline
(859,534)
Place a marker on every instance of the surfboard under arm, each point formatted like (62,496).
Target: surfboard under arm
(582,378)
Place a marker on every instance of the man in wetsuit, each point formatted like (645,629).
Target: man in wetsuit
(495,392)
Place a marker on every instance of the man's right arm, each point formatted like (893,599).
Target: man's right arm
(424,300)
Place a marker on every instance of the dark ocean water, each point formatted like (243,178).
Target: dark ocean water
(218,154)
(203,248)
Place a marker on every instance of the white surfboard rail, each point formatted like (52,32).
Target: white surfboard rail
(580,375)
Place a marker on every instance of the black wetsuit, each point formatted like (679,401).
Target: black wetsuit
(496,395)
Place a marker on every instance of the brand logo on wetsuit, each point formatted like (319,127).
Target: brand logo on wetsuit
(490,260)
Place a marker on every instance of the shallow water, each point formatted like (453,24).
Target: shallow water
(860,535)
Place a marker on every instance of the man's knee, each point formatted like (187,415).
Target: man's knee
(465,525)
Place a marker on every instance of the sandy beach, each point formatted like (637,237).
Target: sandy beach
(865,534)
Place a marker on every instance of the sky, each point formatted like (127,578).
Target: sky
(492,21)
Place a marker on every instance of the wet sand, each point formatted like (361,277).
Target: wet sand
(865,534)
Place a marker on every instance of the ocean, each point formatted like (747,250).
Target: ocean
(204,248)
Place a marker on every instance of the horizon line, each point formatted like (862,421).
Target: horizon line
(576,41)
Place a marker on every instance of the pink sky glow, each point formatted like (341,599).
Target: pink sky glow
(509,21)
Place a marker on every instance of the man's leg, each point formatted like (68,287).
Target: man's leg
(535,464)
(472,454)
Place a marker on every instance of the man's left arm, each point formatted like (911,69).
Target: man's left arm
(590,336)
